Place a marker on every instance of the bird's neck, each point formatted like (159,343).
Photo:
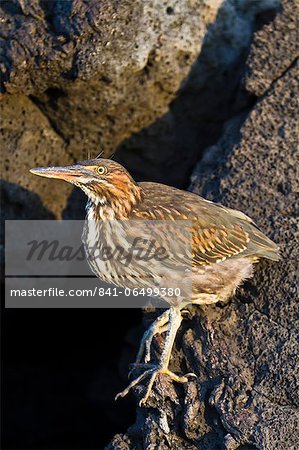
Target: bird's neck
(114,208)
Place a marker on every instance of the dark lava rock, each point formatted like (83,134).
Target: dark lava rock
(167,150)
(78,77)
(280,40)
(100,71)
(97,71)
(245,353)
(257,400)
(83,76)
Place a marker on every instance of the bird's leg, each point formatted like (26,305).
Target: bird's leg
(158,326)
(174,322)
(145,365)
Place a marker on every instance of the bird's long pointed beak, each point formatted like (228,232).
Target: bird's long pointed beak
(68,173)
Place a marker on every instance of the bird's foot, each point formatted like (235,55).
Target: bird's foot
(153,372)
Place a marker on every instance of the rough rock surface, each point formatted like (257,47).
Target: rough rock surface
(77,78)
(167,150)
(280,39)
(98,71)
(25,134)
(245,353)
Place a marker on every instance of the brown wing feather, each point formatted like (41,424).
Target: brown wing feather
(215,244)
(218,232)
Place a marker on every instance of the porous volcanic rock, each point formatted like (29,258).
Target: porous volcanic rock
(280,40)
(245,353)
(28,140)
(257,399)
(98,71)
(167,150)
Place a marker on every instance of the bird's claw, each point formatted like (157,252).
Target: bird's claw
(153,372)
(191,375)
(135,382)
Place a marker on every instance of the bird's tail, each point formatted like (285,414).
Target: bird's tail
(264,247)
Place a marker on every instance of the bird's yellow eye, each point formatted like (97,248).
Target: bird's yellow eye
(101,170)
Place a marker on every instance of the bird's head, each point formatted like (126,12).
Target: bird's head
(104,181)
